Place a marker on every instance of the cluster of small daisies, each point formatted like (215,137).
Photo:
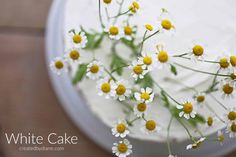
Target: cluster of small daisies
(121,90)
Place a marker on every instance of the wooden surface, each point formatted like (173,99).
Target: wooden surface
(27,100)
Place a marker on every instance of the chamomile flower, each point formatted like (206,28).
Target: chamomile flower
(198,51)
(232,74)
(196,144)
(230,116)
(104,87)
(227,90)
(162,56)
(166,22)
(150,127)
(113,31)
(231,130)
(148,61)
(128,32)
(107,2)
(211,120)
(220,137)
(58,65)
(233,61)
(122,149)
(200,99)
(78,38)
(140,109)
(120,90)
(149,27)
(145,95)
(134,7)
(224,64)
(95,70)
(187,110)
(138,70)
(232,79)
(73,55)
(120,129)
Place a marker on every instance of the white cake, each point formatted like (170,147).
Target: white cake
(194,20)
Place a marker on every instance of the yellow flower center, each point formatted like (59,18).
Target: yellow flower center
(74,55)
(221,138)
(151,125)
(166,24)
(120,90)
(120,128)
(145,96)
(233,127)
(232,115)
(233,76)
(114,30)
(163,56)
(197,145)
(149,27)
(141,107)
(132,8)
(136,5)
(200,98)
(224,63)
(77,39)
(107,1)
(106,87)
(228,89)
(209,121)
(198,50)
(137,69)
(122,148)
(147,60)
(233,60)
(188,108)
(128,30)
(59,64)
(94,68)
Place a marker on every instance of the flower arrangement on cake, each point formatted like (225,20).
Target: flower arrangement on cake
(131,80)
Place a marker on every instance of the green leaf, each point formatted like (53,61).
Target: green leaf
(173,69)
(81,71)
(116,63)
(94,39)
(165,99)
(198,119)
(147,81)
(130,44)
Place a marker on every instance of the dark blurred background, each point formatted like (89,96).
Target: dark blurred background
(27,101)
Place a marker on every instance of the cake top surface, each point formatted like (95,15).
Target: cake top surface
(194,20)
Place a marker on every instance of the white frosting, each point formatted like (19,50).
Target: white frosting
(209,21)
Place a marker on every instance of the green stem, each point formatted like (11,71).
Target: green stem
(166,93)
(207,61)
(211,109)
(142,43)
(222,105)
(181,55)
(168,135)
(114,70)
(199,71)
(188,132)
(100,14)
(119,12)
(132,121)
(179,82)
(151,35)
(110,74)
